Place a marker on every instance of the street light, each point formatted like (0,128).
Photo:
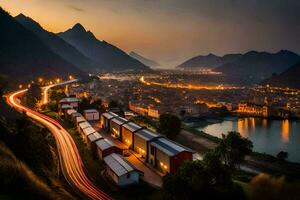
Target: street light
(58,80)
(70,77)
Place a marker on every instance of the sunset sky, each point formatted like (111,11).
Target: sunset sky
(171,31)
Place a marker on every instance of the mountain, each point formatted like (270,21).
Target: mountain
(58,45)
(23,56)
(145,61)
(253,66)
(289,78)
(209,61)
(106,55)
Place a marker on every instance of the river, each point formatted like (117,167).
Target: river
(268,136)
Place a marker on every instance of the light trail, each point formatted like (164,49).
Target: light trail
(46,89)
(71,163)
(188,86)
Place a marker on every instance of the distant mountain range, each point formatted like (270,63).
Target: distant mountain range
(23,56)
(255,66)
(145,61)
(58,45)
(209,61)
(251,67)
(289,78)
(104,54)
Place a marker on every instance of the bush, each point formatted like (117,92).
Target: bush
(169,125)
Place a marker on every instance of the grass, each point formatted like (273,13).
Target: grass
(18,181)
(202,134)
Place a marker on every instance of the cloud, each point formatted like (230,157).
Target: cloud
(75,8)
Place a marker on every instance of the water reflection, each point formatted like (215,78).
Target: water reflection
(285,127)
(268,136)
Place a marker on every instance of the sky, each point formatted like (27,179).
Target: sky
(170,31)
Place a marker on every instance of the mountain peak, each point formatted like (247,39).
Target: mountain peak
(21,15)
(78,27)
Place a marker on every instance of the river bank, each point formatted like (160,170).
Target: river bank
(255,163)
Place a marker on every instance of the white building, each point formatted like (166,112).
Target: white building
(79,120)
(91,115)
(121,171)
(86,132)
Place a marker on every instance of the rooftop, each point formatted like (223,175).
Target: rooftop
(104,144)
(109,115)
(84,125)
(118,164)
(66,106)
(119,120)
(94,137)
(132,126)
(91,111)
(71,111)
(89,130)
(69,100)
(80,119)
(77,114)
(169,147)
(147,134)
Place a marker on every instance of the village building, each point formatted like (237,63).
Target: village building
(79,120)
(167,156)
(141,141)
(116,126)
(91,142)
(86,132)
(252,109)
(69,113)
(105,147)
(105,120)
(74,116)
(63,109)
(121,171)
(91,115)
(82,126)
(128,131)
(71,101)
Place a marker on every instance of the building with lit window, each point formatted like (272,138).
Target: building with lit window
(141,141)
(105,120)
(116,126)
(167,156)
(128,131)
(251,109)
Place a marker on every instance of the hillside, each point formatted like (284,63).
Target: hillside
(144,60)
(209,61)
(106,55)
(289,78)
(23,56)
(58,45)
(255,66)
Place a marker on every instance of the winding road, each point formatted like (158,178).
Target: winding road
(70,160)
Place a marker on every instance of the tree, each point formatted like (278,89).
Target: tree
(201,179)
(169,125)
(282,155)
(113,104)
(233,149)
(264,186)
(33,95)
